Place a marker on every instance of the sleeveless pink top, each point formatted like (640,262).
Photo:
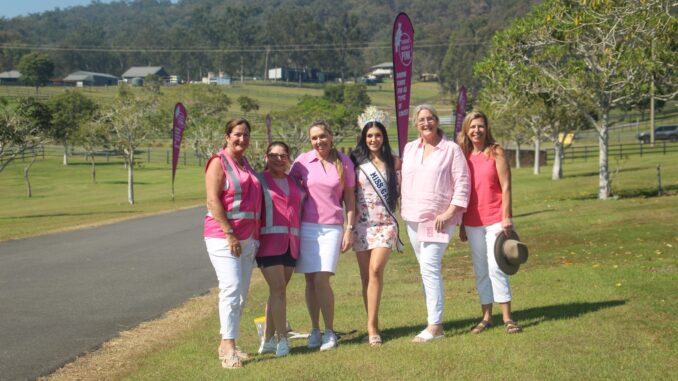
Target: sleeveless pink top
(484,207)
(241,201)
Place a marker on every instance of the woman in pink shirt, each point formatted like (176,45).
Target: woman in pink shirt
(279,243)
(231,232)
(488,215)
(328,180)
(435,191)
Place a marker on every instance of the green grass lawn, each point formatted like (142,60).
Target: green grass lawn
(595,298)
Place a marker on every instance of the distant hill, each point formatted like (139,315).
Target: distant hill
(237,36)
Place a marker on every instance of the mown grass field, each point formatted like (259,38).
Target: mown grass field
(596,298)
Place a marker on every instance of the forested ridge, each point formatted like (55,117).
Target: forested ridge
(238,37)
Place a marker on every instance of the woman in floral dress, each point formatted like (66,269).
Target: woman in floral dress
(376,231)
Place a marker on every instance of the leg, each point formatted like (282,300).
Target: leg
(325,298)
(363,258)
(378,261)
(501,289)
(275,277)
(228,271)
(312,301)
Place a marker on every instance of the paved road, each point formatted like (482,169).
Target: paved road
(65,294)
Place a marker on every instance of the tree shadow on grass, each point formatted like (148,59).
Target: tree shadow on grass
(526,318)
(532,213)
(647,192)
(596,173)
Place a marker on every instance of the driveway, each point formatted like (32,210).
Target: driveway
(65,294)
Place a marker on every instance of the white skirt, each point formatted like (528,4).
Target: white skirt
(320,248)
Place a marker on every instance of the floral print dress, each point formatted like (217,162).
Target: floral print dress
(374,227)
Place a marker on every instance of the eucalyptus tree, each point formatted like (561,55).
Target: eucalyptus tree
(69,111)
(207,108)
(594,54)
(131,120)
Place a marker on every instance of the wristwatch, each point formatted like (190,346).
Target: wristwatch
(350,227)
(229,231)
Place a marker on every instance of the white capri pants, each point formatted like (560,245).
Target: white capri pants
(319,249)
(234,275)
(430,255)
(492,283)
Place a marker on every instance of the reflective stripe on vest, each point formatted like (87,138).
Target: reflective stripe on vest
(268,205)
(235,213)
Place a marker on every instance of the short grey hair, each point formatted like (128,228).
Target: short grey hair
(425,106)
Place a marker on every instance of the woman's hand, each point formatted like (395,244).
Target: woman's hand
(347,240)
(234,244)
(441,221)
(506,226)
(462,234)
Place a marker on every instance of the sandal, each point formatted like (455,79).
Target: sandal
(425,336)
(375,341)
(231,361)
(243,356)
(480,327)
(512,327)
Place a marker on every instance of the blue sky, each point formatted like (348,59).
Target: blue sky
(12,8)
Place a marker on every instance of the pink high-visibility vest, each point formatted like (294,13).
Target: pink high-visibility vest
(241,200)
(281,218)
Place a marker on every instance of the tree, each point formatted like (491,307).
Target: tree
(207,108)
(23,128)
(91,136)
(130,120)
(69,111)
(36,69)
(247,104)
(594,55)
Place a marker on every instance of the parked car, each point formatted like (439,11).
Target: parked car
(660,133)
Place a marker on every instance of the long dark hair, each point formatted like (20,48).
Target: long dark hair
(361,154)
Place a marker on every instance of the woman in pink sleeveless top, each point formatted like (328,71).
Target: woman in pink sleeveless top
(488,214)
(232,231)
(279,238)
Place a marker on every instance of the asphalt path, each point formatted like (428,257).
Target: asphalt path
(62,295)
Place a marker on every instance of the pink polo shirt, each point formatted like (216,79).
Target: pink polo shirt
(430,185)
(323,204)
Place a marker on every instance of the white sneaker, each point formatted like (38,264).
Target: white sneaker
(268,346)
(329,340)
(314,338)
(283,349)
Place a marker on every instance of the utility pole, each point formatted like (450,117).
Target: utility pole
(652,102)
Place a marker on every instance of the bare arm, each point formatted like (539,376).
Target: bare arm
(214,186)
(349,204)
(504,174)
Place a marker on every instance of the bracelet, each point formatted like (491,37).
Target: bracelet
(350,227)
(229,231)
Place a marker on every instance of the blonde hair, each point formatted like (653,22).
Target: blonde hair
(463,139)
(334,154)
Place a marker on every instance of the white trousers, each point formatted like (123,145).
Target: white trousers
(492,283)
(430,255)
(234,274)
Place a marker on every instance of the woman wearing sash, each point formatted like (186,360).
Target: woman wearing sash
(231,232)
(327,178)
(435,193)
(376,230)
(279,239)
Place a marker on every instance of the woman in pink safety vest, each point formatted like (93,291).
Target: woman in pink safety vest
(279,239)
(232,232)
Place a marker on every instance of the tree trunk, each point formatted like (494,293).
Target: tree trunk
(65,152)
(94,170)
(517,154)
(26,179)
(557,172)
(537,148)
(603,173)
(130,178)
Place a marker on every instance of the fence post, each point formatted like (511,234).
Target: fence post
(586,153)
(43,152)
(659,180)
(620,151)
(149,154)
(184,158)
(664,147)
(641,149)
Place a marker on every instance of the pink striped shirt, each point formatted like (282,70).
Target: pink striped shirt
(431,185)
